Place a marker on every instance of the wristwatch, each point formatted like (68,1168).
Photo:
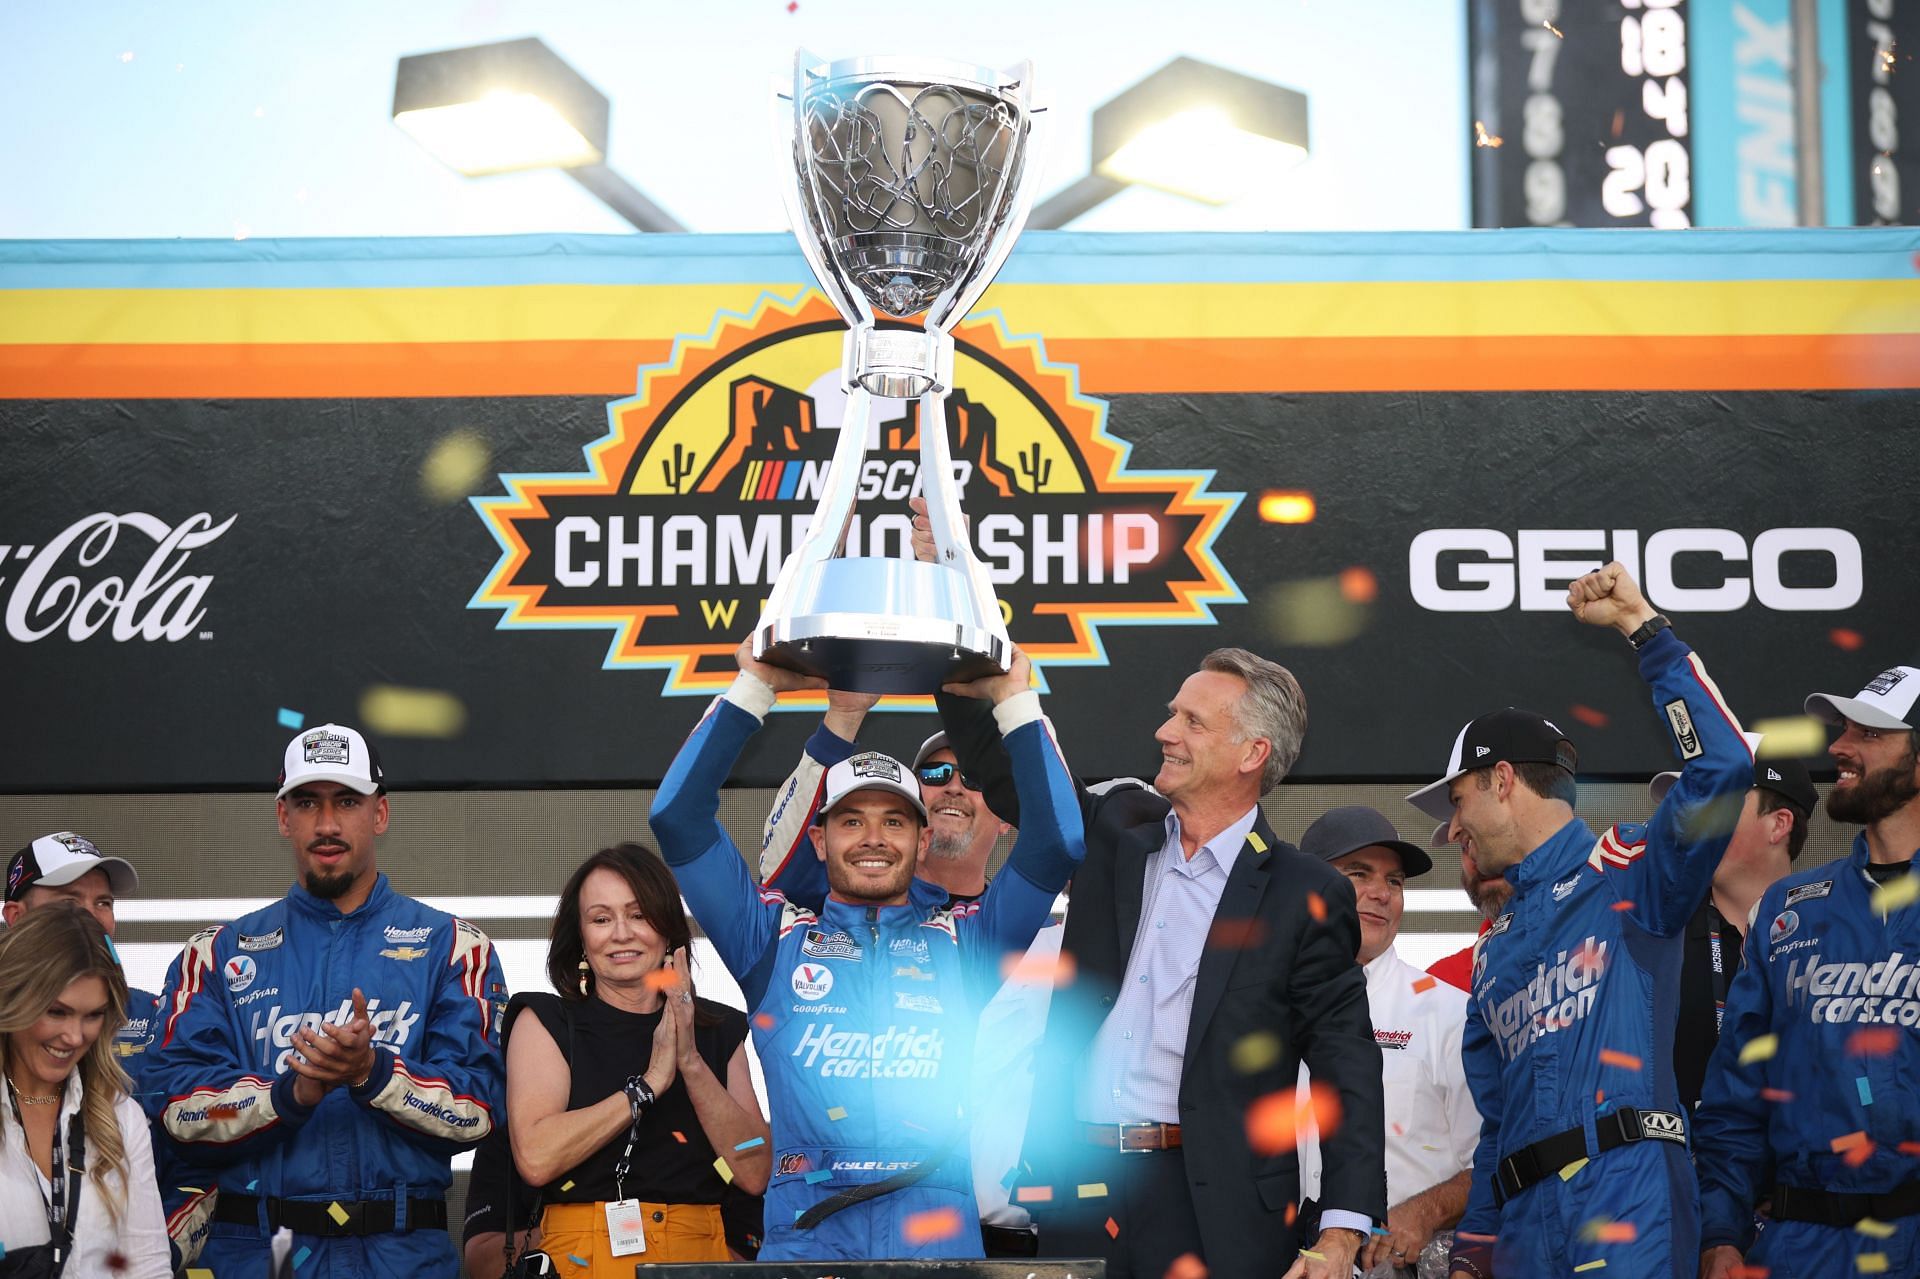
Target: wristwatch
(639,1094)
(1648,629)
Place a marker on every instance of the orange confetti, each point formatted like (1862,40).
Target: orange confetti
(223,1112)
(1236,934)
(763,1020)
(1186,1266)
(1424,985)
(1873,1041)
(1293,1210)
(1358,585)
(1858,1155)
(1909,1147)
(1113,1228)
(1024,969)
(662,979)
(1317,907)
(1847,641)
(1481,138)
(1625,1061)
(1623,905)
(1589,716)
(1615,1232)
(1274,1121)
(1780,1095)
(1744,1271)
(680,1137)
(1033,1195)
(1599,1096)
(1850,1141)
(930,1226)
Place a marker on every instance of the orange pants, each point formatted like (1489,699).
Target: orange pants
(575,1236)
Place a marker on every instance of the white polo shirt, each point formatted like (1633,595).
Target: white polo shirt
(1432,1125)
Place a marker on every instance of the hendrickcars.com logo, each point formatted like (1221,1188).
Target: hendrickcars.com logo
(673,534)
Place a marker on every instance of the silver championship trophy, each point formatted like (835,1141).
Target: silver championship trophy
(911,179)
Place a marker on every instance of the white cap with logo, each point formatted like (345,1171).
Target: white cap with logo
(1886,703)
(870,770)
(331,753)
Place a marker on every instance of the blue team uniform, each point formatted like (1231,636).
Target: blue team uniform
(223,1094)
(864,1016)
(1575,997)
(1838,986)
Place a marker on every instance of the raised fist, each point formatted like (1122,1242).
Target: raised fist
(1609,597)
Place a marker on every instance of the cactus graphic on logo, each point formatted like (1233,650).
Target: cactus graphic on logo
(671,536)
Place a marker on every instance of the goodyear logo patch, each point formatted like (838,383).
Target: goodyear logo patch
(674,531)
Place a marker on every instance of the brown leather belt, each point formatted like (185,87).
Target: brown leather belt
(1133,1137)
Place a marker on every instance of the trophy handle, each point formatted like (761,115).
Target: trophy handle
(951,546)
(828,531)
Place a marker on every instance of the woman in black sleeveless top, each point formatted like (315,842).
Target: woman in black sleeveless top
(628,1098)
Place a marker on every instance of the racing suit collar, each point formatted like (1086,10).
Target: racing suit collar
(322,908)
(1564,851)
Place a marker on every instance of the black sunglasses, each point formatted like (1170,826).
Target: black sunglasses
(942,773)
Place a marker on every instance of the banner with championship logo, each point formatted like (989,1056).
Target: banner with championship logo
(511,503)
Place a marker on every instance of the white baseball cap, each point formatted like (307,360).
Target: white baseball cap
(61,858)
(1887,702)
(331,753)
(870,770)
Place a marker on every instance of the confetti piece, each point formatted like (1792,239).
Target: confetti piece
(1311,612)
(1895,895)
(1847,641)
(114,951)
(661,979)
(1113,1228)
(294,720)
(338,1214)
(1625,1061)
(1317,907)
(836,1113)
(1858,1155)
(223,1112)
(1572,1170)
(253,1183)
(726,1173)
(1556,30)
(1589,716)
(1790,737)
(1850,1141)
(1287,506)
(1779,1095)
(1909,1147)
(793,6)
(1274,1121)
(1481,138)
(454,467)
(197,1273)
(1236,934)
(1623,906)
(393,711)
(749,1145)
(1873,1041)
(1871,1263)
(815,1178)
(1358,585)
(1599,1096)
(1875,1229)
(763,1020)
(1255,1052)
(1094,1190)
(1759,1048)
(1744,1271)
(569,1185)
(300,1258)
(117,1261)
(1186,1266)
(1024,969)
(581,1261)
(1293,1210)
(1590,1265)
(677,1136)
(1424,985)
(1312,1255)
(1033,1195)
(930,1226)
(1865,1090)
(1600,1230)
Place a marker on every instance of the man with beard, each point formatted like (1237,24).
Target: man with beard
(330,1053)
(864,1012)
(1489,895)
(1810,1099)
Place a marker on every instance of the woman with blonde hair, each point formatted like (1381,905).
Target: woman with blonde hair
(628,1097)
(77,1190)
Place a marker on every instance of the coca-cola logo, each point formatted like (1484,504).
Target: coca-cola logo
(54,594)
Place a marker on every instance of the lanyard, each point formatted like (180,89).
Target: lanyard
(56,1206)
(620,1168)
(1718,958)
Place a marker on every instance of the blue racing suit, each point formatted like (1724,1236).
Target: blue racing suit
(864,1016)
(1832,1102)
(224,1094)
(1575,996)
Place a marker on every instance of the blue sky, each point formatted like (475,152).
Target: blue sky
(214,119)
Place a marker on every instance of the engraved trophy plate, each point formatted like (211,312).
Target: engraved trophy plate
(910,180)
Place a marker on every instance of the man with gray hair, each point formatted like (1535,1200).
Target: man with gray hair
(1211,960)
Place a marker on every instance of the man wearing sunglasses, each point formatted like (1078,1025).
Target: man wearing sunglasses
(962,834)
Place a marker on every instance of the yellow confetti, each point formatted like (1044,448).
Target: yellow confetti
(1255,1052)
(1896,895)
(1568,1173)
(1875,1229)
(726,1173)
(338,1214)
(569,1185)
(197,1273)
(1871,1263)
(392,711)
(1759,1048)
(1094,1190)
(1791,737)
(454,467)
(837,1113)
(1591,1265)
(1311,612)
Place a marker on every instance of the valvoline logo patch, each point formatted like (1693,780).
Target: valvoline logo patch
(241,971)
(811,982)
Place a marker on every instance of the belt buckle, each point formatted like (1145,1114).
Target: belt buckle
(1125,1149)
(1521,1168)
(1632,1127)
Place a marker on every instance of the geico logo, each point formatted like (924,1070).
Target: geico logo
(437,1111)
(894,1053)
(390,1025)
(1483,570)
(736,550)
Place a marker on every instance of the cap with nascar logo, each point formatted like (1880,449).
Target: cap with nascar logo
(62,857)
(332,753)
(1511,734)
(1888,702)
(870,770)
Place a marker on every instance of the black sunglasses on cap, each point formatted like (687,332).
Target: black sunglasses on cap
(942,773)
